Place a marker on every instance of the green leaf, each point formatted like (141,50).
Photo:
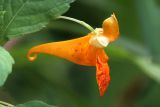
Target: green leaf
(34,104)
(28,16)
(6,62)
(150,68)
(1,18)
(2,105)
(140,56)
(5,104)
(149,16)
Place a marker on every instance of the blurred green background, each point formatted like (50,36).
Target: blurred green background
(134,59)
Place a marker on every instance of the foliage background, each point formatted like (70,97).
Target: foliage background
(134,60)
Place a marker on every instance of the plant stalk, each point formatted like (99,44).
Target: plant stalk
(79,22)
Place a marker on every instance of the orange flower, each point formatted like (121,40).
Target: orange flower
(87,50)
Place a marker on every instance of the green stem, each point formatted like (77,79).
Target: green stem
(79,22)
(6,104)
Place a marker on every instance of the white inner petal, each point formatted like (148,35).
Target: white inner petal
(99,40)
(103,41)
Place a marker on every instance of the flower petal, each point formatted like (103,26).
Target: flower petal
(111,28)
(102,75)
(76,50)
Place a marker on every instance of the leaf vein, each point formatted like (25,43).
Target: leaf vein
(12,19)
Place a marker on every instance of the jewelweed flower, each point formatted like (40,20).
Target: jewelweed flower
(87,50)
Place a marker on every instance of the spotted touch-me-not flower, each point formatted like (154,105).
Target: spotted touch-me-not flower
(87,50)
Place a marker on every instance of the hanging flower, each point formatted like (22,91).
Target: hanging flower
(87,50)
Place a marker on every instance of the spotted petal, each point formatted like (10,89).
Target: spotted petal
(102,75)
